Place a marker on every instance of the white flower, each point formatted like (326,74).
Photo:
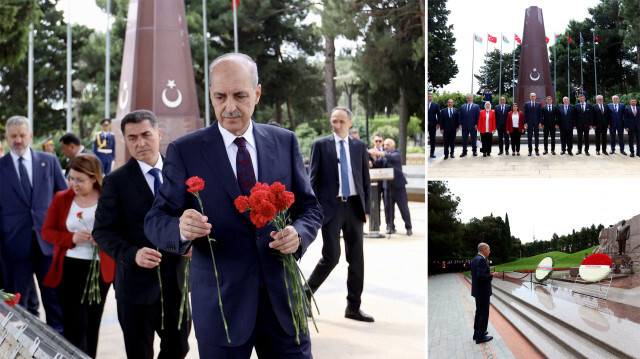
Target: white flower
(544,270)
(594,272)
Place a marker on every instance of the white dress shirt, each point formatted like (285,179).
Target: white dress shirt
(148,176)
(28,164)
(232,148)
(352,185)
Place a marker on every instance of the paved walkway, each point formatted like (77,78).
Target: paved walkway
(576,166)
(394,294)
(450,325)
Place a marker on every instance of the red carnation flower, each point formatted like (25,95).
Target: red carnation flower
(262,213)
(13,301)
(79,215)
(260,187)
(597,259)
(195,183)
(242,203)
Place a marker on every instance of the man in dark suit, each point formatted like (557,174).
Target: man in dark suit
(71,146)
(378,161)
(340,179)
(28,181)
(395,190)
(533,121)
(616,124)
(126,197)
(566,121)
(584,123)
(600,123)
(501,111)
(632,126)
(449,122)
(481,277)
(469,115)
(433,109)
(550,124)
(230,156)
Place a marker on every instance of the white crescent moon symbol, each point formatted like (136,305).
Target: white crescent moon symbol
(537,77)
(171,104)
(125,100)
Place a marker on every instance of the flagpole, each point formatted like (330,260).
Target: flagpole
(206,64)
(595,70)
(555,65)
(235,25)
(513,79)
(500,78)
(30,79)
(581,77)
(107,66)
(486,66)
(69,68)
(568,76)
(473,51)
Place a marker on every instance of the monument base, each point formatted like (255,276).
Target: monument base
(622,264)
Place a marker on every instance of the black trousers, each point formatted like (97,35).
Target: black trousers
(481,320)
(345,219)
(549,131)
(449,141)
(515,139)
(612,134)
(81,321)
(487,139)
(503,139)
(432,138)
(634,134)
(139,323)
(397,195)
(601,133)
(583,135)
(566,138)
(533,131)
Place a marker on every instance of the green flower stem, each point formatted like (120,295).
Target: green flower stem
(161,294)
(184,303)
(215,269)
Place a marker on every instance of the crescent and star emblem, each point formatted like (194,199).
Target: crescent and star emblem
(537,75)
(125,91)
(171,104)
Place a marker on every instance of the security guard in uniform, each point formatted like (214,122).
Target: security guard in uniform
(104,146)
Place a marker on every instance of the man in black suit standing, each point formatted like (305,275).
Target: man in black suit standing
(395,191)
(533,121)
(433,109)
(600,123)
(549,124)
(127,196)
(71,146)
(566,121)
(584,118)
(449,122)
(340,179)
(502,110)
(481,277)
(632,125)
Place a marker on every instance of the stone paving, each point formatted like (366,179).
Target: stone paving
(450,327)
(543,166)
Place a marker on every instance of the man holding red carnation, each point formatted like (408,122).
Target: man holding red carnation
(230,156)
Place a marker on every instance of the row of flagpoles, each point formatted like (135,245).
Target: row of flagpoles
(516,38)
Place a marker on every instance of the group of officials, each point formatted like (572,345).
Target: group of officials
(510,122)
(145,224)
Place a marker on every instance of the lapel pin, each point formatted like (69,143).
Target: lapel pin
(42,164)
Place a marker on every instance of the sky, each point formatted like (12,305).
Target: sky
(547,206)
(496,16)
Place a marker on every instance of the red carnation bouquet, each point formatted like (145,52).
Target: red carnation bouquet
(597,259)
(196,184)
(92,284)
(10,299)
(269,204)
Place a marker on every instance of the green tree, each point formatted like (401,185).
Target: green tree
(631,29)
(443,224)
(493,68)
(442,67)
(15,19)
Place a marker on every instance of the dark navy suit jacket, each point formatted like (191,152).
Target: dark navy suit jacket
(501,116)
(567,121)
(18,217)
(532,114)
(241,250)
(469,116)
(631,121)
(616,118)
(434,113)
(480,277)
(549,119)
(394,159)
(449,123)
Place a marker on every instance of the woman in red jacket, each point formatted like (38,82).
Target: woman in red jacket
(68,226)
(515,127)
(486,126)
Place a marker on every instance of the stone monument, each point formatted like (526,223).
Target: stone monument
(157,72)
(611,238)
(534,74)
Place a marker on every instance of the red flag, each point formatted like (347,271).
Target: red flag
(492,39)
(518,39)
(234,4)
(568,38)
(596,38)
(547,39)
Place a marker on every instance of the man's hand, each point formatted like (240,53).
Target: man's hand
(189,253)
(148,258)
(442,131)
(366,218)
(81,236)
(288,244)
(194,225)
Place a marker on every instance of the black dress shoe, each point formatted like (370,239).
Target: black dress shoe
(452,156)
(483,339)
(484,155)
(499,153)
(463,154)
(605,152)
(579,152)
(513,153)
(359,315)
(432,156)
(553,152)
(409,232)
(446,156)
(631,155)
(529,153)
(391,231)
(489,154)
(587,153)
(476,337)
(537,153)
(507,152)
(570,153)
(612,152)
(475,153)
(622,151)
(562,153)
(545,152)
(598,153)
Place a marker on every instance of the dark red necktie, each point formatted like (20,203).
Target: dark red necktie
(244,167)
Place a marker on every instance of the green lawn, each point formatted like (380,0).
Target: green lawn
(560,260)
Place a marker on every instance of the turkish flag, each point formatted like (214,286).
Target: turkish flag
(492,39)
(234,4)
(568,38)
(518,39)
(596,38)
(547,39)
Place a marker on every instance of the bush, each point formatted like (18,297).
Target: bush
(415,149)
(388,132)
(306,134)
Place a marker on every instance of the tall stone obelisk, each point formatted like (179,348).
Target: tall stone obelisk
(157,72)
(534,74)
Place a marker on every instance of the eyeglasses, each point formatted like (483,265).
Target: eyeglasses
(77,181)
(377,141)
